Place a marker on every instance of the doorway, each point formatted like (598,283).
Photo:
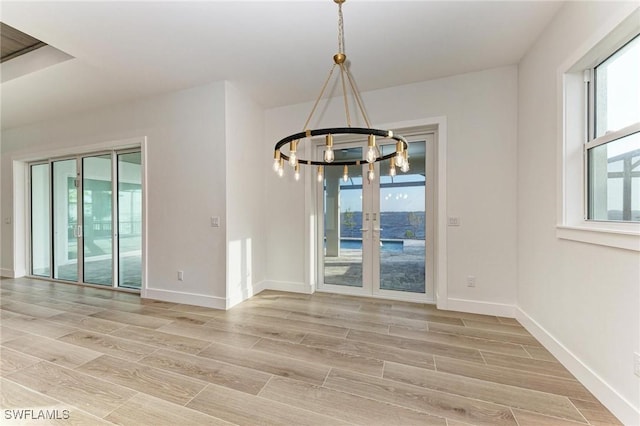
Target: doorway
(86,219)
(376,236)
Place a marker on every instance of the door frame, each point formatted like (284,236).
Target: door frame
(436,125)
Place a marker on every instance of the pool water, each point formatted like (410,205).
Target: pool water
(392,246)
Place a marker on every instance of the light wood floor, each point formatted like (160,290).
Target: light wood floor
(279,358)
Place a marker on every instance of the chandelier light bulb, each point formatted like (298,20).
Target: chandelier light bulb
(329,156)
(293,158)
(371,175)
(405,166)
(276,160)
(345,174)
(392,167)
(371,155)
(320,177)
(281,167)
(296,174)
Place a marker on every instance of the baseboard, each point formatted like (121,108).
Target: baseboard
(245,294)
(7,273)
(293,287)
(479,307)
(620,407)
(185,298)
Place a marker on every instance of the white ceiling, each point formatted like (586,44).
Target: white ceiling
(279,52)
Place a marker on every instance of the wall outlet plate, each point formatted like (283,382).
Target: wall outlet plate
(471,281)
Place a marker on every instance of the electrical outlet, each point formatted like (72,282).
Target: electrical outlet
(453,221)
(636,364)
(180,275)
(471,281)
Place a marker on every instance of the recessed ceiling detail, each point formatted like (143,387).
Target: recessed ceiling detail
(15,43)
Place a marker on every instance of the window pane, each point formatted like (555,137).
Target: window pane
(40,221)
(130,220)
(343,229)
(65,220)
(402,223)
(96,217)
(614,180)
(618,89)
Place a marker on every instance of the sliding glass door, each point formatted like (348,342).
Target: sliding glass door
(378,235)
(129,222)
(86,219)
(97,216)
(40,220)
(66,229)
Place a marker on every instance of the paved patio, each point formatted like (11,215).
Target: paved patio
(401,271)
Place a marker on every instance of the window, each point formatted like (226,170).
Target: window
(599,141)
(612,152)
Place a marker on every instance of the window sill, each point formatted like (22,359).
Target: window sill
(623,236)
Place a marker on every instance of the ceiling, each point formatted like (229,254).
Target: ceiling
(278,52)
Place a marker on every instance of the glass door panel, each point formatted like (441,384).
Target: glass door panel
(402,251)
(40,220)
(65,220)
(97,216)
(344,234)
(130,220)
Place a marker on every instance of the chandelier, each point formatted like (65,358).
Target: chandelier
(397,159)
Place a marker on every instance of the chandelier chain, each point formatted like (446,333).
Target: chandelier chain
(340,30)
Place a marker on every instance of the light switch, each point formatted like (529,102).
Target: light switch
(215,221)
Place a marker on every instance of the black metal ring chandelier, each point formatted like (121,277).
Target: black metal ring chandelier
(399,158)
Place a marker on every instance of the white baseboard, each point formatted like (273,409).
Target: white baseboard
(620,407)
(293,287)
(246,293)
(185,298)
(7,273)
(479,307)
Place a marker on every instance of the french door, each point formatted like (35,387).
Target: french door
(376,236)
(86,219)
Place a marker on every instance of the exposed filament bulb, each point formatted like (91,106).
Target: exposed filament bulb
(371,174)
(371,154)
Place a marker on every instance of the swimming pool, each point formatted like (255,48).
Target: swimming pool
(393,246)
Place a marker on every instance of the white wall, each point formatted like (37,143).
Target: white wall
(185,165)
(582,300)
(481,112)
(246,251)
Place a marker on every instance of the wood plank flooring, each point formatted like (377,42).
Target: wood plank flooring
(107,357)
